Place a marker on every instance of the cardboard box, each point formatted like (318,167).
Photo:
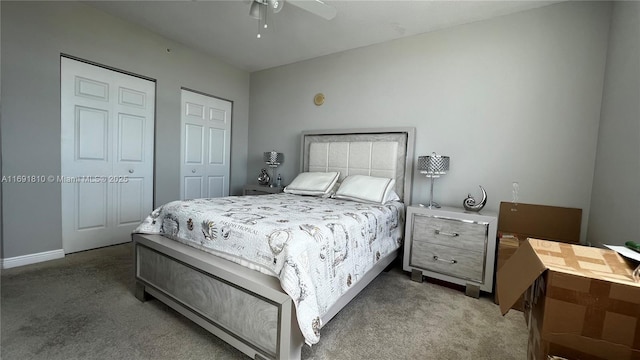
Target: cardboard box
(522,221)
(507,246)
(580,302)
(540,222)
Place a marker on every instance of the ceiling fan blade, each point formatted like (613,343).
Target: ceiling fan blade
(317,7)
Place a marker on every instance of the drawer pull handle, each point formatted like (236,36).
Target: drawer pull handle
(438,232)
(452,261)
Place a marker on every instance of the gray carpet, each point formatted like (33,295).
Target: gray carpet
(82,307)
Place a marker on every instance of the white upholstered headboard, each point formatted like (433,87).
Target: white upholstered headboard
(386,152)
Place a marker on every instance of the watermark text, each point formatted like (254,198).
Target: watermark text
(62,179)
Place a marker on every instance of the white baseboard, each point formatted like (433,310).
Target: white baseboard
(32,258)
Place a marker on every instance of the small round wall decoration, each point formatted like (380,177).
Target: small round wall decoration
(318,99)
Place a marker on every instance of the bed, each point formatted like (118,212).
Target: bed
(251,303)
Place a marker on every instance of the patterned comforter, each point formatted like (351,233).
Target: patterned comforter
(317,247)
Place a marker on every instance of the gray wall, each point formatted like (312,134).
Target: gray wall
(1,242)
(615,210)
(33,36)
(511,99)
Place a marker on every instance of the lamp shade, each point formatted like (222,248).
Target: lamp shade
(273,158)
(433,165)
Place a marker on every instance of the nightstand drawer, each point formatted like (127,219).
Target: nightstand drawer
(450,232)
(447,260)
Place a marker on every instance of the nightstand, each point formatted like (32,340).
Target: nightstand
(260,190)
(451,244)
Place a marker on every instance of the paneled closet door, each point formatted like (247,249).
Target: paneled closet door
(206,144)
(107,134)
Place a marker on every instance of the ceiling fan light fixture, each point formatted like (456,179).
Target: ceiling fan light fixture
(260,8)
(254,11)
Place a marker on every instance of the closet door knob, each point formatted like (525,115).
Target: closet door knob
(193,171)
(130,171)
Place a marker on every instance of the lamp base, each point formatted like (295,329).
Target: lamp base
(272,184)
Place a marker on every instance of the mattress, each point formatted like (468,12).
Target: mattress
(317,247)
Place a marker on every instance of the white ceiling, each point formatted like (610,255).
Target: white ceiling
(225,29)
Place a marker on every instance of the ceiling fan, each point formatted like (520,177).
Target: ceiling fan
(259,9)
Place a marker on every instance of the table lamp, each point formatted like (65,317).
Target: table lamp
(273,159)
(433,166)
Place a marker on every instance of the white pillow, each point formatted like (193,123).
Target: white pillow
(367,188)
(313,183)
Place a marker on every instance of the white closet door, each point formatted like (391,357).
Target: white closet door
(206,143)
(107,124)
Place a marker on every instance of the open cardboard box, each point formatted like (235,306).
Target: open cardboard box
(580,302)
(517,222)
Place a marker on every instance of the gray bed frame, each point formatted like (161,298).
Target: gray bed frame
(245,308)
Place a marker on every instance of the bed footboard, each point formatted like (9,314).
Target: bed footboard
(242,307)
